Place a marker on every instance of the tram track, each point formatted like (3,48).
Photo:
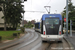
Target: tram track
(64,45)
(25,40)
(51,45)
(48,46)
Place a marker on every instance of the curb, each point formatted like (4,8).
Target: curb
(69,43)
(13,42)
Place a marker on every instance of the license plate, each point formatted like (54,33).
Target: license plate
(52,40)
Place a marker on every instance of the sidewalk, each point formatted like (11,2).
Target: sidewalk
(71,39)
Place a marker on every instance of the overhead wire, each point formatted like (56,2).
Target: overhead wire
(48,2)
(31,4)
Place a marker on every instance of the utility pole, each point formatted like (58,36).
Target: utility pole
(64,26)
(23,16)
(23,12)
(66,17)
(71,28)
(47,9)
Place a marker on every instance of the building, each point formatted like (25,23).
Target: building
(33,21)
(24,22)
(1,20)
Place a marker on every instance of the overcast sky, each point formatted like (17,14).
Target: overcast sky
(57,6)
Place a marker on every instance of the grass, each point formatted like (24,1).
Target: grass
(8,34)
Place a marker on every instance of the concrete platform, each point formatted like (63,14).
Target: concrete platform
(71,39)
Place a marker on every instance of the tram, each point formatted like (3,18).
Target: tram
(51,27)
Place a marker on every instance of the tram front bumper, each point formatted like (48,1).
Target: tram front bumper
(58,38)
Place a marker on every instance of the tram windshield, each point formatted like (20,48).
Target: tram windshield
(51,21)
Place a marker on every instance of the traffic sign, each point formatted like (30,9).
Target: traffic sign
(64,19)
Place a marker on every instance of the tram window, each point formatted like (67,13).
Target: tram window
(51,21)
(36,25)
(56,21)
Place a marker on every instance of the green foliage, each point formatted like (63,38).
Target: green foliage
(0,38)
(8,34)
(13,14)
(12,10)
(32,25)
(22,29)
(15,34)
(28,25)
(71,15)
(70,7)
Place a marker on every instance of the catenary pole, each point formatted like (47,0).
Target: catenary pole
(66,17)
(64,26)
(71,28)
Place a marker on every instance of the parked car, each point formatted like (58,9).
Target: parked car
(64,30)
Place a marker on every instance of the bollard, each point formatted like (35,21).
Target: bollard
(15,34)
(0,38)
(18,33)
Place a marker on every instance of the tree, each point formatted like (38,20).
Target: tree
(13,14)
(33,21)
(29,23)
(70,9)
(12,10)
(24,22)
(71,15)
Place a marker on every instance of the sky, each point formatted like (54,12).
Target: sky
(56,6)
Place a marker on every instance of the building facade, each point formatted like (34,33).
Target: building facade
(1,20)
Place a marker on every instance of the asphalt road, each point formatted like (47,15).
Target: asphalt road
(33,42)
(54,46)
